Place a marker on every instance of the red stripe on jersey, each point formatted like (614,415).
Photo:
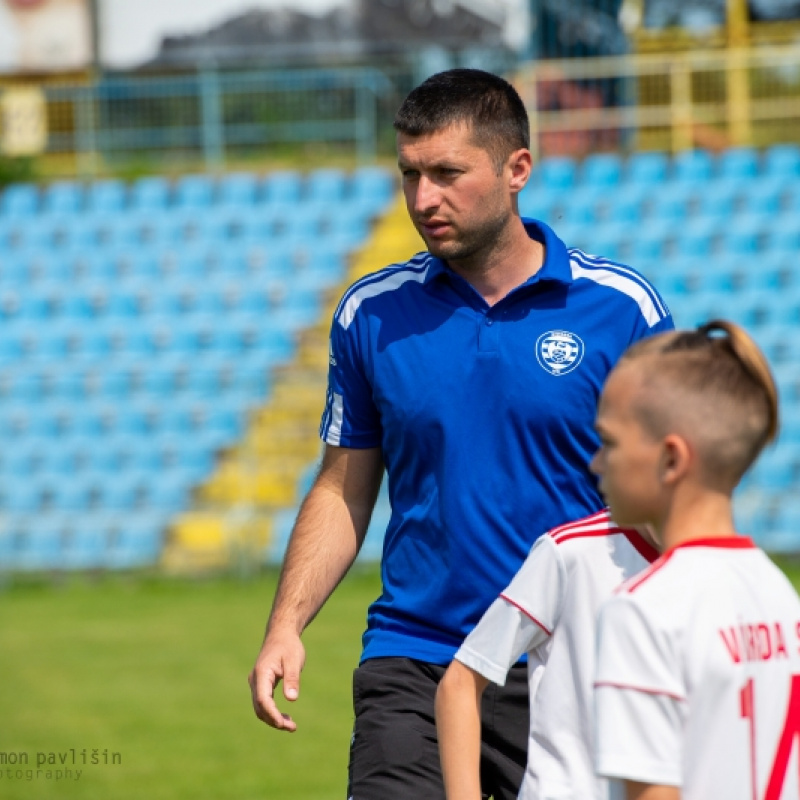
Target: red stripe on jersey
(598,518)
(641,689)
(728,542)
(642,546)
(601,524)
(526,613)
(632,584)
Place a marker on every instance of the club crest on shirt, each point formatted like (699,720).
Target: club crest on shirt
(559,352)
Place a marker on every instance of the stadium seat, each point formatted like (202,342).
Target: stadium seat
(238,190)
(150,194)
(647,168)
(86,545)
(63,197)
(40,546)
(282,187)
(194,191)
(719,199)
(742,238)
(20,200)
(325,185)
(556,173)
(672,203)
(137,544)
(602,170)
(372,188)
(106,196)
(741,163)
(692,166)
(782,160)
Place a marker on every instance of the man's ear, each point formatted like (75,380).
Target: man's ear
(520,164)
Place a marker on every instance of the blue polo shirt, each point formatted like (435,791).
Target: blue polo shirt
(485,417)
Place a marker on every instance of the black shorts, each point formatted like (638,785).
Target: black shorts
(394,754)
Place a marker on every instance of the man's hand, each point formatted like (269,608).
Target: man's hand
(281,658)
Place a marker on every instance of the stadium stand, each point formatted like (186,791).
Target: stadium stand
(141,326)
(163,344)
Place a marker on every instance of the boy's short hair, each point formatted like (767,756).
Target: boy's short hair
(485,102)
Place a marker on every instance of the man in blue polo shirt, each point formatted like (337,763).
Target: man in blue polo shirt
(471,373)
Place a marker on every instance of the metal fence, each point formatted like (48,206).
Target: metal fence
(669,102)
(211,117)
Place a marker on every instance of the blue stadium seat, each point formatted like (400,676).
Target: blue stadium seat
(86,545)
(194,191)
(738,162)
(138,542)
(783,238)
(282,187)
(696,237)
(63,197)
(167,494)
(647,168)
(626,204)
(22,496)
(764,196)
(40,545)
(601,170)
(372,187)
(693,166)
(120,492)
(151,194)
(20,200)
(326,185)
(671,203)
(106,196)
(73,493)
(744,237)
(777,469)
(719,199)
(238,189)
(782,160)
(556,172)
(536,204)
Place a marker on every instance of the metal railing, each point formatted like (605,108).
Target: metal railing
(668,102)
(208,118)
(213,119)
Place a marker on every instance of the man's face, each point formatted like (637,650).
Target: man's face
(629,459)
(455,198)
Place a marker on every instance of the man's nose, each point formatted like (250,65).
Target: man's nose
(427,197)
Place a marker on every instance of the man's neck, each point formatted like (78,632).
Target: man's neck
(506,267)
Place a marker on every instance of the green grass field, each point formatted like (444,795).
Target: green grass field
(155,671)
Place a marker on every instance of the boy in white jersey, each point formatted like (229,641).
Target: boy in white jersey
(549,612)
(697,689)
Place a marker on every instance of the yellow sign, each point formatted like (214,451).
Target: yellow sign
(23,121)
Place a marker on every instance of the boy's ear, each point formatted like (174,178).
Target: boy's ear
(676,459)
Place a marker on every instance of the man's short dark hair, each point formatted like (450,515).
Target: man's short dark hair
(486,102)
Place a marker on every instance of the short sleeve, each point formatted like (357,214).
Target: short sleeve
(521,619)
(539,587)
(639,698)
(350,417)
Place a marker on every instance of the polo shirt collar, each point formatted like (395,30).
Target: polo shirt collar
(556,258)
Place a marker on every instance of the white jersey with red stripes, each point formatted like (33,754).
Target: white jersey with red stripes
(698,675)
(549,612)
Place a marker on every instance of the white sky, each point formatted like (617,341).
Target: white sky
(131,30)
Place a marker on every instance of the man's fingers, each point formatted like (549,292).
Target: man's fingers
(262,688)
(291,684)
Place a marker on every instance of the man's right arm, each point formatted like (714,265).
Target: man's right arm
(327,536)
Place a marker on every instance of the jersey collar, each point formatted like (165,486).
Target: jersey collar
(556,258)
(724,542)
